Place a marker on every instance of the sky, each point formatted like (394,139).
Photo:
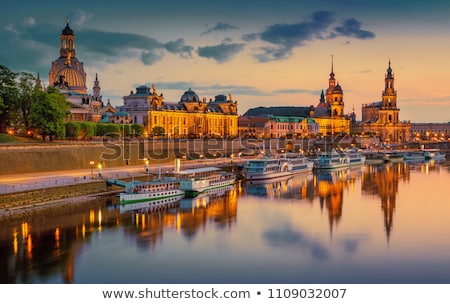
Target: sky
(263,53)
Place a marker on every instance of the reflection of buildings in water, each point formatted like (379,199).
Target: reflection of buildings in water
(428,166)
(53,239)
(329,187)
(295,187)
(382,181)
(188,217)
(220,207)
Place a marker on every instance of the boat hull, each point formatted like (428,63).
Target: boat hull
(274,175)
(131,198)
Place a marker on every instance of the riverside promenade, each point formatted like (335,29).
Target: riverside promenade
(14,183)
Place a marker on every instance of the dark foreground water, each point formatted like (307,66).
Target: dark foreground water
(375,224)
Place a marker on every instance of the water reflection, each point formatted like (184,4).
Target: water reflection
(277,219)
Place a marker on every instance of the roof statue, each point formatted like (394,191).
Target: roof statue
(154,89)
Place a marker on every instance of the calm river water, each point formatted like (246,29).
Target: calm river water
(374,224)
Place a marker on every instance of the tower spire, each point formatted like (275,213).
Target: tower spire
(332,68)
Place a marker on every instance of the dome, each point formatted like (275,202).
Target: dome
(72,77)
(190,96)
(67,30)
(337,89)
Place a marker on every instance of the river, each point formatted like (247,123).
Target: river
(371,224)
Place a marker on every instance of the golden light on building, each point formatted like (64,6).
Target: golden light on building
(24,230)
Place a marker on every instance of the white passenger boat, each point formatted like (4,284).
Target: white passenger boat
(275,167)
(151,205)
(332,160)
(355,157)
(433,154)
(196,181)
(138,191)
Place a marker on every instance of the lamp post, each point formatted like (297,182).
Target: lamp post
(92,168)
(99,170)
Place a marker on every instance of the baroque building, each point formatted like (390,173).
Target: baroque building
(329,113)
(381,118)
(191,117)
(68,75)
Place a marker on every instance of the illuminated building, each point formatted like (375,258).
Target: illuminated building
(329,113)
(68,75)
(191,117)
(381,118)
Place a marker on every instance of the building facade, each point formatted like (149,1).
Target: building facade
(68,75)
(430,131)
(192,117)
(329,113)
(381,118)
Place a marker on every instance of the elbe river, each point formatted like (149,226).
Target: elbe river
(373,224)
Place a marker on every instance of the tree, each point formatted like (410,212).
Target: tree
(87,129)
(137,130)
(72,129)
(27,94)
(8,95)
(108,129)
(158,131)
(48,113)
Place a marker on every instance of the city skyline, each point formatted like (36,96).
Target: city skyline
(263,55)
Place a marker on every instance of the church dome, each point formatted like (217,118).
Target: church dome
(67,30)
(337,89)
(190,96)
(72,77)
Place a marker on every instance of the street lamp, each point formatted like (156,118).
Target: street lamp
(92,168)
(99,170)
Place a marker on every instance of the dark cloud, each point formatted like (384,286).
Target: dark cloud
(150,57)
(283,38)
(220,27)
(221,52)
(288,36)
(352,28)
(180,48)
(250,37)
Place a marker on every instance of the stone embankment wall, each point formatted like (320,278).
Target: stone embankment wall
(33,197)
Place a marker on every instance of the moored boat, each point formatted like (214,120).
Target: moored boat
(138,191)
(355,157)
(434,154)
(196,181)
(276,167)
(414,156)
(332,160)
(374,158)
(393,157)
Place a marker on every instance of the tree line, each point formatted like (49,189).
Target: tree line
(29,110)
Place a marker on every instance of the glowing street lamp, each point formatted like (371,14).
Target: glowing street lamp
(99,170)
(146,165)
(92,168)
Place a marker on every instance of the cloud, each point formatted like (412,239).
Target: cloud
(283,38)
(220,27)
(221,52)
(352,28)
(179,47)
(79,18)
(150,57)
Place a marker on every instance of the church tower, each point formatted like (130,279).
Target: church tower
(334,95)
(67,73)
(389,113)
(96,89)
